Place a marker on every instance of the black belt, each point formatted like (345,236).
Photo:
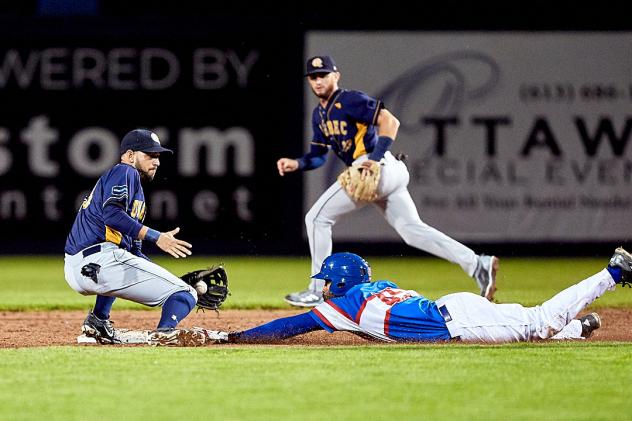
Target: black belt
(91,250)
(445,313)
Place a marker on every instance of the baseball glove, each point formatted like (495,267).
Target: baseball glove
(216,280)
(361,181)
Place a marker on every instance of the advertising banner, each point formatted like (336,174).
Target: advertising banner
(510,137)
(69,95)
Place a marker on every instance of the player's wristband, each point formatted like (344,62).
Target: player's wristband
(381,146)
(152,235)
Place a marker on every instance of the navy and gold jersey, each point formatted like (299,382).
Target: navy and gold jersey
(347,124)
(119,187)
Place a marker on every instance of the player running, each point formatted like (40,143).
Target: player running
(381,310)
(358,128)
(103,249)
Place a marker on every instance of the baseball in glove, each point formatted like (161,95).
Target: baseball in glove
(361,181)
(216,280)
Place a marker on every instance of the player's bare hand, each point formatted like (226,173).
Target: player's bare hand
(170,244)
(286,165)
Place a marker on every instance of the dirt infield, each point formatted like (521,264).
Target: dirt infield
(29,329)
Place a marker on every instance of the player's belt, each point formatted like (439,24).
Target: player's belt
(91,250)
(443,310)
(445,314)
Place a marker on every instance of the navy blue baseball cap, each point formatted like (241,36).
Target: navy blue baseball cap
(320,64)
(142,140)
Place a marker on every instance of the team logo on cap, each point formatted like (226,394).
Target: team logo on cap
(154,137)
(317,62)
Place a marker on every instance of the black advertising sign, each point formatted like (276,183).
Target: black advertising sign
(215,94)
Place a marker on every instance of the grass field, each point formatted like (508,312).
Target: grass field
(573,381)
(568,380)
(30,283)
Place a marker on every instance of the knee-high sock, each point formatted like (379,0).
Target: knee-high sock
(102,307)
(176,308)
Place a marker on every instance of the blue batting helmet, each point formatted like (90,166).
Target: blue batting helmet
(344,270)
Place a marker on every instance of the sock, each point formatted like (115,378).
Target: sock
(102,307)
(175,309)
(615,272)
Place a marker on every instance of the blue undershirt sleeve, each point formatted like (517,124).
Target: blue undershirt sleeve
(313,159)
(115,217)
(137,247)
(277,329)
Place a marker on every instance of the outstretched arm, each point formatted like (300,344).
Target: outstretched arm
(276,330)
(313,159)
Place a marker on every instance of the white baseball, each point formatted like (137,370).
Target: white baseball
(201,287)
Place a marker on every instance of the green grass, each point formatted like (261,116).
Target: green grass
(561,381)
(29,283)
(568,380)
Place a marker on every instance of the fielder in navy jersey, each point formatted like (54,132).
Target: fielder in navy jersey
(382,311)
(358,129)
(103,252)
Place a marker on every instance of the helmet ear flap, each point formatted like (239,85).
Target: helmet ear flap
(340,284)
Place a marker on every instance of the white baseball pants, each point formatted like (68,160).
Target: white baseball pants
(476,319)
(123,275)
(398,208)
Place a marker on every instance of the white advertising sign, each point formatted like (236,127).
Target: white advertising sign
(509,136)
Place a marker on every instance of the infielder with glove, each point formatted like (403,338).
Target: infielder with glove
(360,132)
(382,311)
(103,249)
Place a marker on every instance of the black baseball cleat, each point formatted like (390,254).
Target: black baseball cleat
(590,323)
(101,330)
(622,260)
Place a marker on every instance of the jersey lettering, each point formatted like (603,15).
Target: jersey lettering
(138,210)
(119,187)
(334,127)
(347,124)
(390,296)
(86,201)
(384,311)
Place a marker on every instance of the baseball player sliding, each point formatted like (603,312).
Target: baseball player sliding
(103,249)
(381,310)
(360,132)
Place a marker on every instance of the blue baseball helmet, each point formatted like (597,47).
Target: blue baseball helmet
(344,270)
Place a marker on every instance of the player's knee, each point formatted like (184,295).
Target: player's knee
(310,217)
(188,296)
(193,293)
(314,219)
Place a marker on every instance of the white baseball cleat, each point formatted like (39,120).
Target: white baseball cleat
(306,298)
(485,275)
